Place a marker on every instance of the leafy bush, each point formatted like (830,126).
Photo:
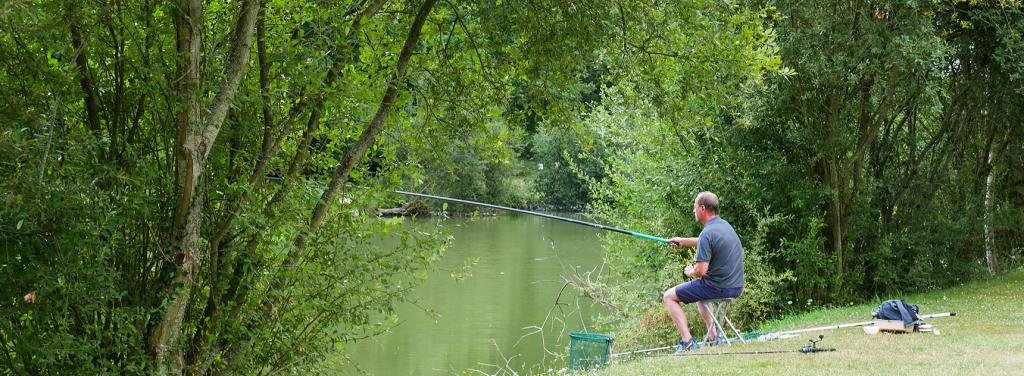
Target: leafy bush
(73,245)
(650,185)
(568,159)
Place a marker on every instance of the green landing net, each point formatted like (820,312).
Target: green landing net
(588,350)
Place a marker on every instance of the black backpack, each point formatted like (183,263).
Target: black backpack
(898,310)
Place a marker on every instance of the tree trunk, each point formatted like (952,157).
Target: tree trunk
(990,257)
(92,115)
(194,141)
(835,218)
(266,98)
(185,226)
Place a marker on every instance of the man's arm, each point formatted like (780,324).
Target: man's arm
(683,242)
(697,270)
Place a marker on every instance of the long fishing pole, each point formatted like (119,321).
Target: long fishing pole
(804,350)
(655,349)
(789,333)
(549,216)
(810,348)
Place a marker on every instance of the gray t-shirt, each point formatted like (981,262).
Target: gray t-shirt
(719,246)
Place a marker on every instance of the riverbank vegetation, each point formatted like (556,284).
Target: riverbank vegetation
(885,163)
(191,187)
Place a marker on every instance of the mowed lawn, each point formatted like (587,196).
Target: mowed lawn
(985,338)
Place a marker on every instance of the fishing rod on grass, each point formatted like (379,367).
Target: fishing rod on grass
(545,215)
(810,348)
(794,333)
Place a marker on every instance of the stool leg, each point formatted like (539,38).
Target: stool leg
(711,312)
(728,321)
(718,325)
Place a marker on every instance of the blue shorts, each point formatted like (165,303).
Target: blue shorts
(698,290)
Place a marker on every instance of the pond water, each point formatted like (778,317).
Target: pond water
(485,319)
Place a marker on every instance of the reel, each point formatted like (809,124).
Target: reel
(812,346)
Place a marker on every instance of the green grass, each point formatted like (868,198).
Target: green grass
(985,338)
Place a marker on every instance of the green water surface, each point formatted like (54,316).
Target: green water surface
(513,286)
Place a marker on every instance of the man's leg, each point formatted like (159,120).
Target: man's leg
(675,311)
(705,313)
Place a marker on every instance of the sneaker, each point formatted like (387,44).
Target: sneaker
(685,346)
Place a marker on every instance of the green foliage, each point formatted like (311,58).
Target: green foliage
(481,169)
(851,174)
(349,287)
(567,160)
(77,247)
(849,142)
(90,206)
(647,190)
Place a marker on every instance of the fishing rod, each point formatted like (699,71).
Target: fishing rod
(549,216)
(791,333)
(654,349)
(810,348)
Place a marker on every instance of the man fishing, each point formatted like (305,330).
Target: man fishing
(717,272)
